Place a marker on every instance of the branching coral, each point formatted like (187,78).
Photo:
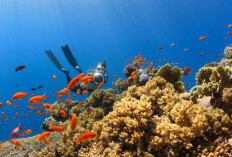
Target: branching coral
(172,75)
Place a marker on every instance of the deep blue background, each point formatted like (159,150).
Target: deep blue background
(114,30)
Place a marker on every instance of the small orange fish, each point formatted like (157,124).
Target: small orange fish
(32,95)
(22,135)
(85,92)
(80,103)
(86,136)
(47,106)
(1,148)
(56,128)
(75,81)
(16,115)
(160,48)
(79,91)
(229,33)
(1,103)
(16,143)
(86,80)
(43,137)
(62,113)
(202,38)
(8,102)
(67,101)
(5,116)
(38,112)
(16,106)
(54,77)
(36,99)
(73,122)
(100,84)
(54,95)
(19,95)
(28,131)
(230,26)
(64,91)
(74,95)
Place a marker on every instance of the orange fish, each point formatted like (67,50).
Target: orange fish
(230,25)
(74,95)
(67,101)
(16,106)
(16,115)
(1,148)
(75,81)
(54,77)
(229,33)
(16,143)
(100,84)
(8,102)
(79,91)
(86,80)
(19,95)
(37,98)
(1,103)
(56,128)
(38,112)
(5,116)
(62,113)
(22,134)
(73,121)
(202,38)
(32,95)
(64,91)
(80,103)
(86,136)
(28,131)
(54,95)
(85,92)
(160,48)
(47,106)
(43,137)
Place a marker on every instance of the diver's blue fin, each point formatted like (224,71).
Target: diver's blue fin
(55,61)
(68,54)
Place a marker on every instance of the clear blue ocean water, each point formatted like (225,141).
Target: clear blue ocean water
(97,30)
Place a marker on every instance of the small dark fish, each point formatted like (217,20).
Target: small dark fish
(20,67)
(33,89)
(39,87)
(187,70)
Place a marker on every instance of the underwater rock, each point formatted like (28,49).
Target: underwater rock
(50,121)
(28,146)
(184,96)
(128,70)
(206,103)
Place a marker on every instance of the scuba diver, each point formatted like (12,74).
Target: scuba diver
(99,73)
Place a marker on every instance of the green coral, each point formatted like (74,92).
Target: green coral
(172,75)
(102,98)
(87,119)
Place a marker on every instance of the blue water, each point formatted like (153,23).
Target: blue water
(96,30)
